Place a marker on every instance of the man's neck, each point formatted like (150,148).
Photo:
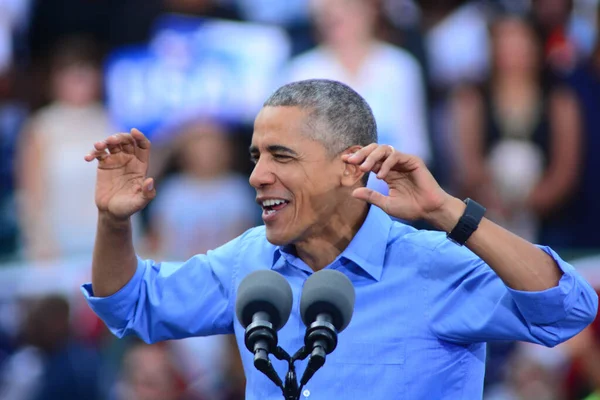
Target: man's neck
(320,250)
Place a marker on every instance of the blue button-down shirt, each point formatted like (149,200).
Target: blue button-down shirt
(424,308)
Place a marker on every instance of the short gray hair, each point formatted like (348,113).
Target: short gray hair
(339,117)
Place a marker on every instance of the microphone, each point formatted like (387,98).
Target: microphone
(326,308)
(263,306)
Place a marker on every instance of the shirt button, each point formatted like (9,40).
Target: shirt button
(306,393)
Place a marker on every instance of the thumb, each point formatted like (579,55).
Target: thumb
(370,196)
(148,190)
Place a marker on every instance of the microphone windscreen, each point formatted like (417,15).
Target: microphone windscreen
(328,291)
(264,290)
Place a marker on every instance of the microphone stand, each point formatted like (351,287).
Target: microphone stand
(290,389)
(320,340)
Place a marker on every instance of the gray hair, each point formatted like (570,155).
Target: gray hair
(339,117)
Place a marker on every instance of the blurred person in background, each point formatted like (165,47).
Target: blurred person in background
(456,40)
(578,229)
(583,377)
(522,138)
(400,24)
(13,24)
(12,116)
(50,22)
(56,216)
(531,373)
(291,15)
(456,50)
(389,78)
(157,372)
(6,346)
(562,34)
(202,204)
(14,15)
(149,373)
(50,364)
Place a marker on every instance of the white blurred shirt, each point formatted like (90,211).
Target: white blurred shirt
(391,82)
(193,216)
(458,47)
(70,214)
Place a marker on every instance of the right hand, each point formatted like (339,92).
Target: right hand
(122,188)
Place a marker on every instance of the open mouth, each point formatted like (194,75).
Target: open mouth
(272,206)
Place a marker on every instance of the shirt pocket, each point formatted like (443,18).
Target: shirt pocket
(368,370)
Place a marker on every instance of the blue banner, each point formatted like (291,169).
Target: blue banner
(195,67)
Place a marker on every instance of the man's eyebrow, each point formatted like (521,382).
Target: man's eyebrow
(274,148)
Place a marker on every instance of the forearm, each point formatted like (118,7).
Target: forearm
(114,261)
(520,264)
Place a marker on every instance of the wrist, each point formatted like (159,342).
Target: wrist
(109,220)
(446,217)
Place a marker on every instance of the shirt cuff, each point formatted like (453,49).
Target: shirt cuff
(117,309)
(550,305)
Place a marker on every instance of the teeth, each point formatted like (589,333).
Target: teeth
(272,202)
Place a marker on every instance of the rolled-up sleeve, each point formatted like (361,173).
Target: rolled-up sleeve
(572,300)
(173,300)
(479,307)
(117,309)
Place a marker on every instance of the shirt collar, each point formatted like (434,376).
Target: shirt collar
(366,249)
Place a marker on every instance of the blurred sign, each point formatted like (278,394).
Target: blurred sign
(195,66)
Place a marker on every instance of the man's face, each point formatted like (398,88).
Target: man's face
(297,182)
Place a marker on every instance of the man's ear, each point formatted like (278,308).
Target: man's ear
(351,173)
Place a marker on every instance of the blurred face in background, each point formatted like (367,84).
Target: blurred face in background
(295,170)
(343,22)
(515,48)
(205,151)
(149,374)
(76,84)
(47,323)
(551,13)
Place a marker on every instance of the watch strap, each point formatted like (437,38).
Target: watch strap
(468,223)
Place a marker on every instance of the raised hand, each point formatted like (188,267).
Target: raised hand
(413,192)
(122,188)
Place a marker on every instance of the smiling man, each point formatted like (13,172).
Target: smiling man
(426,301)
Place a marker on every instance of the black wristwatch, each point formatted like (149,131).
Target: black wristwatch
(468,223)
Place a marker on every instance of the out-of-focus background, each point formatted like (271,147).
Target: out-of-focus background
(501,98)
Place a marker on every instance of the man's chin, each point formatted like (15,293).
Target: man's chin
(277,238)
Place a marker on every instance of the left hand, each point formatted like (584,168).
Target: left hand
(413,192)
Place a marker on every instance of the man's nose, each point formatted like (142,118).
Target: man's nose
(261,175)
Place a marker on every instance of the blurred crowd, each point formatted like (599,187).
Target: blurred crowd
(501,99)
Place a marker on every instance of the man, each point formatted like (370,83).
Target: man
(424,304)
